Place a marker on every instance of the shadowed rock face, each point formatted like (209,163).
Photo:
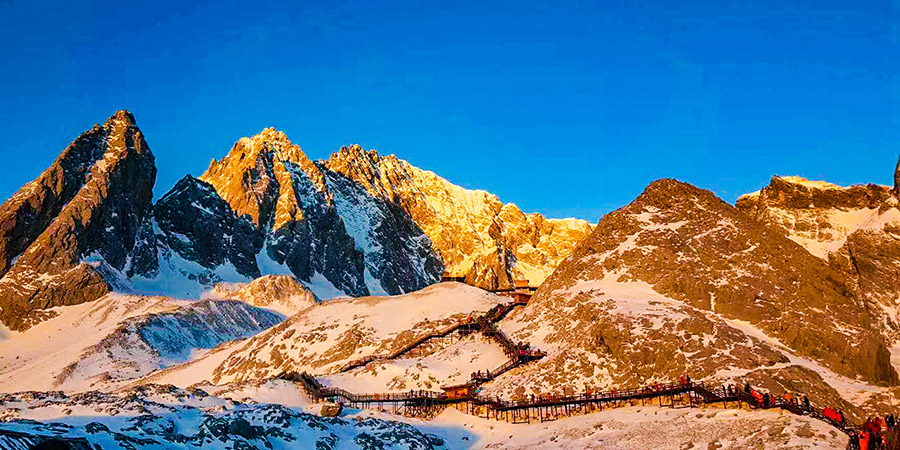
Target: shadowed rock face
(78,220)
(200,226)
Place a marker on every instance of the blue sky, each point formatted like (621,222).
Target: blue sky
(566,108)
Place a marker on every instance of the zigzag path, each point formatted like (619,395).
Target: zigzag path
(424,403)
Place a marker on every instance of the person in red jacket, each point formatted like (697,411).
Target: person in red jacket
(864,440)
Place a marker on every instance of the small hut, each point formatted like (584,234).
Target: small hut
(459,391)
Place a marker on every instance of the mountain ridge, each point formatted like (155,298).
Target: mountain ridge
(265,208)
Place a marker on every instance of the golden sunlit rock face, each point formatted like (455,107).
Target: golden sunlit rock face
(477,236)
(257,178)
(470,233)
(680,281)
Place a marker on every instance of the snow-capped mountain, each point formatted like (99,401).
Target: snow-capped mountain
(230,280)
(855,229)
(325,337)
(87,226)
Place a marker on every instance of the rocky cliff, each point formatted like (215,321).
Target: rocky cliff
(855,229)
(77,221)
(265,209)
(356,224)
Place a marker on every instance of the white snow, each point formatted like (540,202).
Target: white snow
(637,428)
(449,366)
(180,278)
(851,390)
(31,360)
(268,266)
(323,288)
(326,336)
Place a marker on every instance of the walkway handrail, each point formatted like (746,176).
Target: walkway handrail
(495,314)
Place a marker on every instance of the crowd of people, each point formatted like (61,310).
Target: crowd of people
(796,401)
(877,433)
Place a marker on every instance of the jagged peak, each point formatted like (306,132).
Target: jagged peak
(667,193)
(258,176)
(357,154)
(804,182)
(671,187)
(270,144)
(121,116)
(270,135)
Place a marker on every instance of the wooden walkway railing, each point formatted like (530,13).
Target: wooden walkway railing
(422,402)
(483,322)
(549,407)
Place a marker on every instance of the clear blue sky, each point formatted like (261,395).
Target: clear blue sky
(567,108)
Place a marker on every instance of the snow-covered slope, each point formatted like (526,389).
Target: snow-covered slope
(641,428)
(164,417)
(448,366)
(154,417)
(681,282)
(104,343)
(322,338)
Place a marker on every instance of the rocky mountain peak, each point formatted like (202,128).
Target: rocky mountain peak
(800,193)
(854,229)
(669,193)
(121,118)
(685,244)
(79,218)
(267,177)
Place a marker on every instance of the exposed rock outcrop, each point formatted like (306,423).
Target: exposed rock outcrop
(856,229)
(200,226)
(270,180)
(356,224)
(279,293)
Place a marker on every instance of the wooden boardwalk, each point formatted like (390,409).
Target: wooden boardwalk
(424,403)
(551,407)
